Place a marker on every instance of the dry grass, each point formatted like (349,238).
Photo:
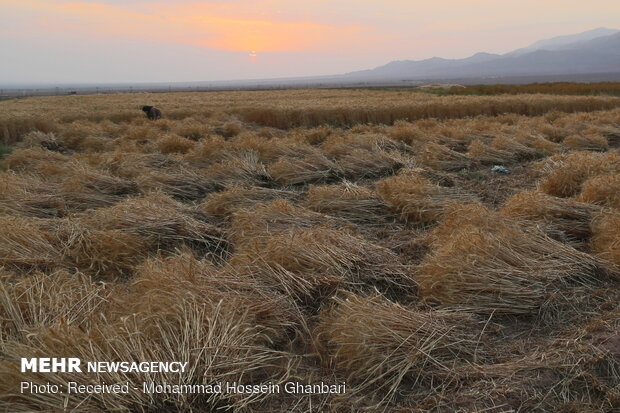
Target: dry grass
(515,148)
(347,200)
(275,217)
(161,220)
(29,195)
(605,236)
(487,263)
(416,199)
(565,174)
(174,144)
(488,154)
(439,157)
(180,183)
(362,163)
(314,168)
(602,190)
(225,203)
(567,215)
(586,142)
(261,255)
(28,243)
(244,168)
(303,263)
(397,345)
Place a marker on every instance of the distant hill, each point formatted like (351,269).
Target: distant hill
(591,52)
(561,42)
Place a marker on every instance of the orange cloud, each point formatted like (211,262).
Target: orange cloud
(196,24)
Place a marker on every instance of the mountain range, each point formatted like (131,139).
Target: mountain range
(592,52)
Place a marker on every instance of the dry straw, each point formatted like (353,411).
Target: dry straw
(225,203)
(174,144)
(442,158)
(514,147)
(586,142)
(243,168)
(539,144)
(490,264)
(567,215)
(606,236)
(29,195)
(347,200)
(487,154)
(28,243)
(314,168)
(416,199)
(161,220)
(275,217)
(37,300)
(303,263)
(181,183)
(396,345)
(565,174)
(602,190)
(362,163)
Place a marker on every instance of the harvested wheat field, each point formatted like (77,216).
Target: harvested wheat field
(327,250)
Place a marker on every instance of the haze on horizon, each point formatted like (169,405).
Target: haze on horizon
(108,41)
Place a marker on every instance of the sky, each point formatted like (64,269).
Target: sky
(108,41)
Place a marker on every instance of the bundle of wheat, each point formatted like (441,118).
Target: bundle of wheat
(586,142)
(181,183)
(514,147)
(208,151)
(274,217)
(362,163)
(539,143)
(397,344)
(183,277)
(416,199)
(602,190)
(440,157)
(303,263)
(347,200)
(29,195)
(104,254)
(191,128)
(565,174)
(29,243)
(606,236)
(270,150)
(567,215)
(409,133)
(318,135)
(174,144)
(244,168)
(225,203)
(489,264)
(612,133)
(130,166)
(487,154)
(160,219)
(560,372)
(36,300)
(37,160)
(215,343)
(83,187)
(314,168)
(342,145)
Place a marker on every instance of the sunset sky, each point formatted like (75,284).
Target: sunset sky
(189,40)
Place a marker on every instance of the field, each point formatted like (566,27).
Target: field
(436,253)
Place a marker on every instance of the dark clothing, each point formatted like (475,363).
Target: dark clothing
(152,112)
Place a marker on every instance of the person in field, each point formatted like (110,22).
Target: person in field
(152,112)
